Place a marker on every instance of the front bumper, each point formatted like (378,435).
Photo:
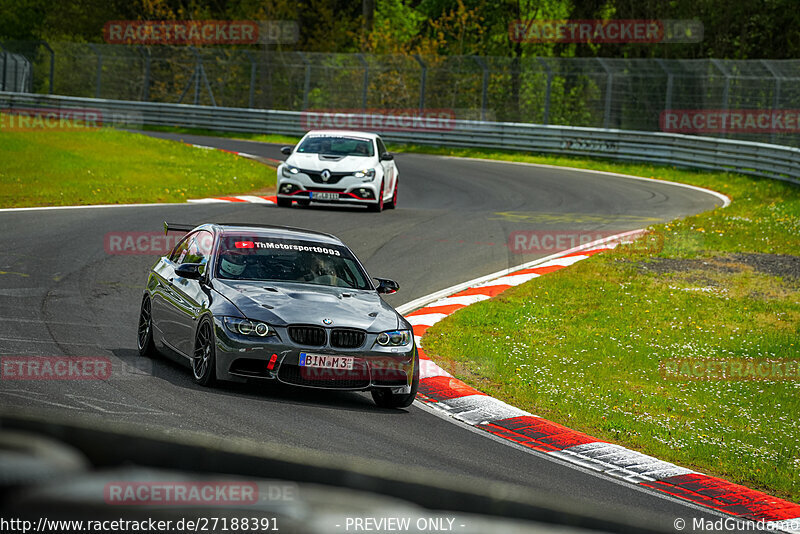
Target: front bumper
(349,190)
(240,358)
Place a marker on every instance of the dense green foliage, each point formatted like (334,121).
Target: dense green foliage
(736,29)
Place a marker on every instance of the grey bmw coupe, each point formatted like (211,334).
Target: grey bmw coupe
(244,302)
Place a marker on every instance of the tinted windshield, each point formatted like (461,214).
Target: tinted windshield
(337,146)
(243,257)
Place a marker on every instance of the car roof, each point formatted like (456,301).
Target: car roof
(358,133)
(277,231)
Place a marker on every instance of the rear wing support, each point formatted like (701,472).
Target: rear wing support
(177,227)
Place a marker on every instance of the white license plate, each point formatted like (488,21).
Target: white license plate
(325,361)
(324,196)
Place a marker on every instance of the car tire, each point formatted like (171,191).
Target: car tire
(204,354)
(144,333)
(386,399)
(392,204)
(284,202)
(378,206)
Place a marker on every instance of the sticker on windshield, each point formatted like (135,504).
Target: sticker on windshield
(299,248)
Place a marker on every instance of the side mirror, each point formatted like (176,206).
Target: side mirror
(286,150)
(190,271)
(386,156)
(386,286)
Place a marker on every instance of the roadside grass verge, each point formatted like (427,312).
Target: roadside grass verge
(587,346)
(108,166)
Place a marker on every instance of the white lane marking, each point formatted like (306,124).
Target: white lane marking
(113,407)
(208,201)
(49,342)
(466,300)
(510,280)
(60,323)
(564,262)
(441,294)
(428,369)
(95,206)
(37,397)
(478,409)
(428,319)
(726,201)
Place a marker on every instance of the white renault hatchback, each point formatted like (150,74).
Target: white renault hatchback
(338,166)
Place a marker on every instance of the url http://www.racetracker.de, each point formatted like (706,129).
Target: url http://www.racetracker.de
(186,524)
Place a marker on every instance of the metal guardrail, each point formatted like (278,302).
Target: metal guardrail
(756,159)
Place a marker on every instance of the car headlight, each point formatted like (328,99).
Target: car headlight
(247,327)
(289,171)
(366,174)
(395,338)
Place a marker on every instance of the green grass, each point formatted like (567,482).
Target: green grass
(261,138)
(582,346)
(107,166)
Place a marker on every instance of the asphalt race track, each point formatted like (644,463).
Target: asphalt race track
(61,293)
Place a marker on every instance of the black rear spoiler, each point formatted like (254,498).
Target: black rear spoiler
(176,227)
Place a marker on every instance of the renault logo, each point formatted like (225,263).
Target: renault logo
(326,175)
(327,321)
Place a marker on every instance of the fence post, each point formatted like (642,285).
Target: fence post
(307,80)
(252,96)
(52,64)
(99,75)
(485,85)
(146,86)
(422,81)
(609,87)
(366,81)
(5,68)
(15,71)
(726,90)
(776,95)
(546,113)
(668,97)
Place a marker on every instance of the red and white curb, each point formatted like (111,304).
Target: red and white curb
(253,199)
(242,154)
(454,398)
